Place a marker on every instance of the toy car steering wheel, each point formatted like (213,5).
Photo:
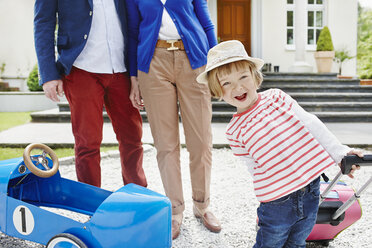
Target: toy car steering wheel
(42,159)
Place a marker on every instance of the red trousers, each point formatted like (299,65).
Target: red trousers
(87,93)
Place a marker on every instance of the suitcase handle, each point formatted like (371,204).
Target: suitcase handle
(348,161)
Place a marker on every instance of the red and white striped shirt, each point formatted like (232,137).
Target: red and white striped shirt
(284,146)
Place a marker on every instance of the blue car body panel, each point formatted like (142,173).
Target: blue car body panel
(145,227)
(132,216)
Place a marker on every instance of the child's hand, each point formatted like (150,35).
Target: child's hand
(355,167)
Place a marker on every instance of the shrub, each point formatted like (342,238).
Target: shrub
(365,68)
(324,42)
(366,75)
(364,55)
(33,80)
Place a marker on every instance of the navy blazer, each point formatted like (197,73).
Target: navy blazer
(72,20)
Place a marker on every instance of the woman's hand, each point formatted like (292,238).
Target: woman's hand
(354,167)
(135,94)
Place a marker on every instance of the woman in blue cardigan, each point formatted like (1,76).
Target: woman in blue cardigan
(168,45)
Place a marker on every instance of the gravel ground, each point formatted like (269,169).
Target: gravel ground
(232,200)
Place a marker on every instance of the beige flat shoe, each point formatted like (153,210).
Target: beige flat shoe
(209,220)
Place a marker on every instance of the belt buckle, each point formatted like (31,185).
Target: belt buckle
(172,47)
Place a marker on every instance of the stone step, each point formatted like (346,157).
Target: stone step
(311,106)
(318,88)
(63,107)
(54,115)
(299,75)
(225,117)
(10,89)
(331,97)
(337,106)
(310,81)
(327,97)
(4,86)
(217,116)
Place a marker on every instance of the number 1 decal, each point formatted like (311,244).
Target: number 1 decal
(23,220)
(23,215)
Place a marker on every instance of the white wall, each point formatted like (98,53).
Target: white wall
(16,37)
(274,34)
(212,7)
(341,18)
(342,22)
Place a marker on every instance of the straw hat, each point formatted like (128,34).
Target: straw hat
(224,53)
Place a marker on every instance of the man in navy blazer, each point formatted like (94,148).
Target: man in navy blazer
(90,67)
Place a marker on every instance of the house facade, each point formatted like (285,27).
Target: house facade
(282,32)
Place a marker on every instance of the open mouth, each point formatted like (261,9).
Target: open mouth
(241,97)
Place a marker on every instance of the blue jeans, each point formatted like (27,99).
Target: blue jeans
(288,221)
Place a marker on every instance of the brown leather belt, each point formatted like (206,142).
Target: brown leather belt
(170,44)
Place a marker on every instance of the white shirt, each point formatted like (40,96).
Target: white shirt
(104,50)
(168,30)
(284,147)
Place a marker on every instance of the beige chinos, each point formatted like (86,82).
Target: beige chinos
(169,81)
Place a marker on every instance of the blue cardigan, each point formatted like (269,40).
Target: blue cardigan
(191,18)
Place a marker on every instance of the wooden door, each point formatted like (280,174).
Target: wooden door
(234,21)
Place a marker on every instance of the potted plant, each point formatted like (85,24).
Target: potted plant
(341,56)
(324,51)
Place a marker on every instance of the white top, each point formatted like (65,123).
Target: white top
(168,30)
(284,146)
(104,50)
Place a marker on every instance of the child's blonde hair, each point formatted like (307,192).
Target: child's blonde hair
(214,75)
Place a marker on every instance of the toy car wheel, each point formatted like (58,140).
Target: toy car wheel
(65,240)
(41,159)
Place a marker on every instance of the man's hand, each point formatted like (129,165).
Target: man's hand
(53,89)
(135,94)
(355,167)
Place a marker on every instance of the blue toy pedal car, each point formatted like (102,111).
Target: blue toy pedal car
(132,216)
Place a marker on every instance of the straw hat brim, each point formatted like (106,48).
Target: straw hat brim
(203,79)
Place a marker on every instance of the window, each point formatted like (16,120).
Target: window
(290,23)
(315,21)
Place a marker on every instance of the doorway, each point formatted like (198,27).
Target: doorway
(234,21)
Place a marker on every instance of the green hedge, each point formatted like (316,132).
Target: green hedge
(324,42)
(33,80)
